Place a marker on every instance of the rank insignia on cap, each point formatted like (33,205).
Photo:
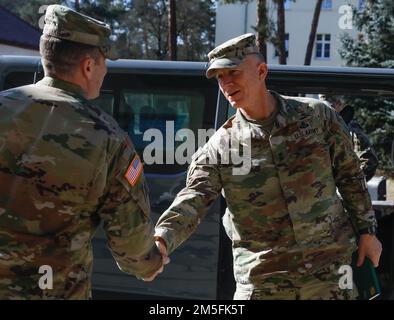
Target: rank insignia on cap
(134,171)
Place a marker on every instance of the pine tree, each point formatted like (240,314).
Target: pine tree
(374,48)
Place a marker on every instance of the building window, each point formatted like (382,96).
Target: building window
(323,46)
(361,4)
(286,47)
(326,5)
(287,4)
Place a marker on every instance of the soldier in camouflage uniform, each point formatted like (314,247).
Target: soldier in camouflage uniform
(65,165)
(361,144)
(287,225)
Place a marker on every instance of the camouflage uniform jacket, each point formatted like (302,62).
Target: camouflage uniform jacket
(62,167)
(312,156)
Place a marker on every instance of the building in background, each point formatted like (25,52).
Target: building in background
(17,37)
(235,19)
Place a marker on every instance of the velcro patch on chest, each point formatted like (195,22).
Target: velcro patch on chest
(134,171)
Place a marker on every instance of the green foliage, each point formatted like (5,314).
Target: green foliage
(375,48)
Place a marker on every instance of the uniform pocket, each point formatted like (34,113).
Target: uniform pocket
(140,195)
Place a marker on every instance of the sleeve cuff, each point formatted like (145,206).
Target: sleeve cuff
(161,235)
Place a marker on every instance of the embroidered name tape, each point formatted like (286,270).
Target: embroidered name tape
(134,171)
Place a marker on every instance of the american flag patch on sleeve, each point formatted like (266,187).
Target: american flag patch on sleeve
(134,171)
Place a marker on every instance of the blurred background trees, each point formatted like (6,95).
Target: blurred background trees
(374,48)
(141,27)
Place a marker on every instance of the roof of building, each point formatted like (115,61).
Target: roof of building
(17,32)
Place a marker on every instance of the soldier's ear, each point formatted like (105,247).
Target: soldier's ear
(87,67)
(262,71)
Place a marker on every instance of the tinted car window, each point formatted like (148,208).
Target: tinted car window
(168,104)
(166,111)
(16,79)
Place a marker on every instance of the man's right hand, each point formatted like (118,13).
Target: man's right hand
(166,260)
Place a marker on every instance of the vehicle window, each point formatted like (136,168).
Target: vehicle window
(17,79)
(168,112)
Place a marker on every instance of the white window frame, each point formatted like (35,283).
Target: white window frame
(323,42)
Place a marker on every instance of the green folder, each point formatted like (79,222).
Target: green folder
(365,278)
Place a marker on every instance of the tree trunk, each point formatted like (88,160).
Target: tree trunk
(172,34)
(262,25)
(312,35)
(186,39)
(281,32)
(146,41)
(76,5)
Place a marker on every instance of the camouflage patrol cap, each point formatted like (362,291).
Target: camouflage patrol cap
(231,53)
(64,23)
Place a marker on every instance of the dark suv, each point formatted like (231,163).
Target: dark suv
(145,94)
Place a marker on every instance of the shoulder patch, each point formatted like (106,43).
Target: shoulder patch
(134,171)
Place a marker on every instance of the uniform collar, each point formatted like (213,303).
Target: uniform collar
(286,114)
(69,87)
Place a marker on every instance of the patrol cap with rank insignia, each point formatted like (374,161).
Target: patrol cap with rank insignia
(231,53)
(64,23)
